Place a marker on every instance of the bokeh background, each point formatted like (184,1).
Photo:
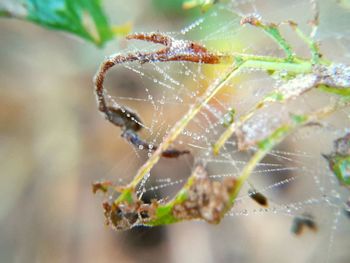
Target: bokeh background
(54,144)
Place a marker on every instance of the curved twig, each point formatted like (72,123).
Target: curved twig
(125,118)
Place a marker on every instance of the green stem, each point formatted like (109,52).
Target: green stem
(164,213)
(293,67)
(315,52)
(266,145)
(274,33)
(301,67)
(242,61)
(248,169)
(179,127)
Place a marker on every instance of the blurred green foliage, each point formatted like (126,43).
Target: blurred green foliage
(87,19)
(84,18)
(203,4)
(174,8)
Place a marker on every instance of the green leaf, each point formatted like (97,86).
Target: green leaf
(340,166)
(84,18)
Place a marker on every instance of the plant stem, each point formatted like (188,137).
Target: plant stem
(266,145)
(242,61)
(180,125)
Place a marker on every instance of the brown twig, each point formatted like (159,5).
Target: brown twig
(125,118)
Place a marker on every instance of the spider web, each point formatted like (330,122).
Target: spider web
(294,176)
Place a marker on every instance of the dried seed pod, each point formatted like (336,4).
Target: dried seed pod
(120,219)
(127,214)
(258,197)
(124,215)
(205,199)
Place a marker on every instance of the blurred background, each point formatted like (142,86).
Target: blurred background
(54,144)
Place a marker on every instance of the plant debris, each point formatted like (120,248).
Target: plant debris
(302,222)
(206,199)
